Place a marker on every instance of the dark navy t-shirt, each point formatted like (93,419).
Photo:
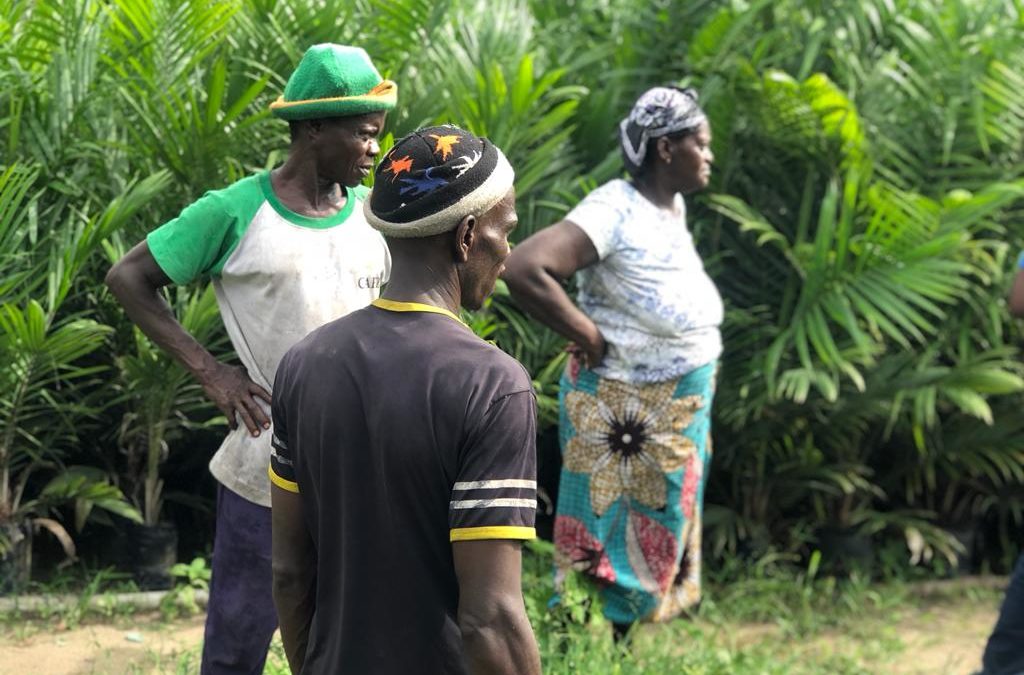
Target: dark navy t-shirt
(403,432)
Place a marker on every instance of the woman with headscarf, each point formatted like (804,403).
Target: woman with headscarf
(635,401)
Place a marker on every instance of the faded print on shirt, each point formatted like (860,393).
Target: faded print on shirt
(649,294)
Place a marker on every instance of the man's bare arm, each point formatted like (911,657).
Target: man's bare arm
(135,281)
(294,566)
(496,635)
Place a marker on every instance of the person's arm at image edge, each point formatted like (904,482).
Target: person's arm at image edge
(1016,299)
(534,273)
(294,574)
(135,281)
(496,635)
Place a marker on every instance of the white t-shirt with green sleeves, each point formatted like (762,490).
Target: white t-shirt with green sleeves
(277,276)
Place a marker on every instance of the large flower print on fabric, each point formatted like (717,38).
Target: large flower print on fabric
(652,552)
(577,548)
(627,439)
(691,483)
(684,593)
(573,369)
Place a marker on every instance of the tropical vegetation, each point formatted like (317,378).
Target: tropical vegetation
(862,225)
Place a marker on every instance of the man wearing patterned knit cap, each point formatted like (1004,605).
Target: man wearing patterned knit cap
(287,250)
(404,465)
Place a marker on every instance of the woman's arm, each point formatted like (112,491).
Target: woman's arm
(535,272)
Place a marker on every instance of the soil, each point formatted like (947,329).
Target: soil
(136,644)
(942,640)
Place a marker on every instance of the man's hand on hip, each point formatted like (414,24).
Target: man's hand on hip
(135,281)
(234,392)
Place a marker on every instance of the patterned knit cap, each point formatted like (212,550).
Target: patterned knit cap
(658,112)
(432,179)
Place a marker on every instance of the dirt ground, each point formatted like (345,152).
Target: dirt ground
(136,644)
(944,639)
(944,642)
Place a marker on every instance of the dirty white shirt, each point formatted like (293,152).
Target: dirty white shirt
(277,276)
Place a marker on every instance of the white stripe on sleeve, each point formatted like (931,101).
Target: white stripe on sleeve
(493,503)
(495,484)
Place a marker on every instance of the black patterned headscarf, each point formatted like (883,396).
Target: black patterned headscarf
(658,112)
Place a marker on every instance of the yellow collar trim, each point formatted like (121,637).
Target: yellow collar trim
(397,306)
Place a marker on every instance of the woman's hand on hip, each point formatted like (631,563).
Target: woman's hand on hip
(591,351)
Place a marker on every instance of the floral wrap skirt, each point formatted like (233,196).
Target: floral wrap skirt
(631,494)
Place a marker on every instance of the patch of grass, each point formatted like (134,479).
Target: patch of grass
(94,594)
(766,618)
(773,619)
(189,579)
(188,662)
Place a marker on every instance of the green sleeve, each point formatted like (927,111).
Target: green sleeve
(200,240)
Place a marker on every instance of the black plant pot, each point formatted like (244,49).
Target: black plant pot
(16,563)
(968,535)
(549,468)
(845,550)
(148,552)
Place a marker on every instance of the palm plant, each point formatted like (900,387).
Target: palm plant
(50,374)
(37,423)
(162,401)
(865,204)
(485,77)
(186,102)
(46,402)
(847,283)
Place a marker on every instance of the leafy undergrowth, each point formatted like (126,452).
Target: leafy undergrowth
(772,619)
(757,618)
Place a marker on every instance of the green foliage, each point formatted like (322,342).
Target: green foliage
(162,402)
(189,578)
(798,604)
(865,289)
(860,225)
(39,418)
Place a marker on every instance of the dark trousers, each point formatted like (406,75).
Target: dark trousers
(1004,654)
(240,618)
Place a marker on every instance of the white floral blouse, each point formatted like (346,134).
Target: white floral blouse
(649,295)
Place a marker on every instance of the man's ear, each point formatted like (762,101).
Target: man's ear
(465,237)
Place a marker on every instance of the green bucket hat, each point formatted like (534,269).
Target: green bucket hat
(334,81)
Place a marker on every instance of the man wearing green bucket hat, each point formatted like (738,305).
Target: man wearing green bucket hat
(287,250)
